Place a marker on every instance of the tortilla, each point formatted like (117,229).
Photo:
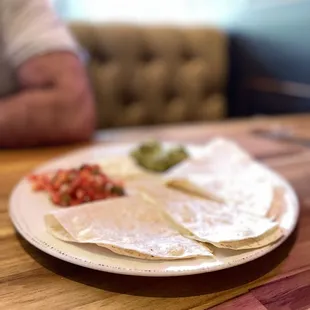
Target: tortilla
(252,196)
(226,173)
(222,225)
(220,156)
(121,167)
(128,226)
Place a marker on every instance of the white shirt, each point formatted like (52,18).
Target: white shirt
(28,28)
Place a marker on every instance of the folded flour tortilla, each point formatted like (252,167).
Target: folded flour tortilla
(253,197)
(128,226)
(222,225)
(220,156)
(121,167)
(226,173)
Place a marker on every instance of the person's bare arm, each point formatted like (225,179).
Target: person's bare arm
(55,105)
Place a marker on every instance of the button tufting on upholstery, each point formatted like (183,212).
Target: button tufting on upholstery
(170,95)
(101,56)
(128,98)
(187,55)
(152,75)
(147,56)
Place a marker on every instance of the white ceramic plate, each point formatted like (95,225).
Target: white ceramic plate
(27,210)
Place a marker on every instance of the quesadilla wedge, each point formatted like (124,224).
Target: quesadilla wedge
(128,226)
(225,173)
(220,156)
(260,198)
(220,224)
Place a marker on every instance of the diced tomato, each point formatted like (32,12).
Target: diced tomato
(74,184)
(32,177)
(37,187)
(55,197)
(74,202)
(91,193)
(80,193)
(99,196)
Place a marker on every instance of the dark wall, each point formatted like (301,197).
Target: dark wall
(272,42)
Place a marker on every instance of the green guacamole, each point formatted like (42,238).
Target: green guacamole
(152,156)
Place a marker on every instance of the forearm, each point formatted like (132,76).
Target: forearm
(37,117)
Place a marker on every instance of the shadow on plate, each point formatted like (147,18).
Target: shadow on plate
(184,286)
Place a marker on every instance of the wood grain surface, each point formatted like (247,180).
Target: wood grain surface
(31,279)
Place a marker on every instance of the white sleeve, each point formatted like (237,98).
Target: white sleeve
(31,28)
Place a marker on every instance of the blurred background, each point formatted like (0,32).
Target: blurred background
(173,11)
(268,48)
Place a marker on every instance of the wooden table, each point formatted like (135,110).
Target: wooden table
(30,279)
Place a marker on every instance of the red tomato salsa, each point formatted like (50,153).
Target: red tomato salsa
(70,187)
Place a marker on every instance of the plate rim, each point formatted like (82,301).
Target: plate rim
(50,250)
